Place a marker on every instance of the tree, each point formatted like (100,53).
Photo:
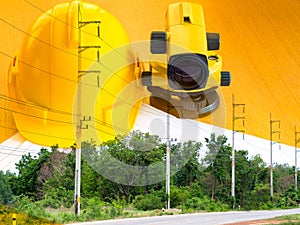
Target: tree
(283,178)
(186,158)
(219,167)
(242,176)
(29,167)
(129,161)
(5,189)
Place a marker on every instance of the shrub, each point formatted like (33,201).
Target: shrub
(26,205)
(179,196)
(205,204)
(93,208)
(148,202)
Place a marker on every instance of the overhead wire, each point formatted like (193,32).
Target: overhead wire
(10,154)
(262,149)
(26,103)
(9,148)
(68,52)
(36,133)
(97,121)
(74,27)
(60,121)
(37,117)
(55,110)
(61,77)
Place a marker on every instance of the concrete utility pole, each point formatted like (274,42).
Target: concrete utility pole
(80,118)
(234,117)
(271,150)
(78,127)
(297,140)
(168,156)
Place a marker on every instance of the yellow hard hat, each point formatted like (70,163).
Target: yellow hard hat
(74,45)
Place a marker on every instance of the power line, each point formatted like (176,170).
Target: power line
(99,122)
(63,50)
(20,102)
(37,117)
(9,148)
(35,133)
(74,27)
(40,40)
(7,98)
(95,86)
(9,154)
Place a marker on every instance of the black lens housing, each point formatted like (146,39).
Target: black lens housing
(187,71)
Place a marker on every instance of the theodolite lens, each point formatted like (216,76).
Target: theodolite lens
(187,71)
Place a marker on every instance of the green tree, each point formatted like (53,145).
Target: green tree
(255,175)
(242,176)
(6,194)
(56,177)
(29,167)
(283,178)
(186,156)
(219,167)
(136,155)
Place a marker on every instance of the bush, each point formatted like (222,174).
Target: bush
(205,204)
(179,196)
(57,197)
(148,202)
(93,208)
(196,191)
(50,202)
(26,205)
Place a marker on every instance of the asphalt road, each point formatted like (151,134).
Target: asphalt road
(199,218)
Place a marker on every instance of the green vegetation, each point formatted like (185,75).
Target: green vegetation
(44,186)
(289,219)
(7,214)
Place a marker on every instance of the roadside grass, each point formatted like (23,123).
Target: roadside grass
(293,219)
(28,212)
(6,217)
(63,215)
(34,214)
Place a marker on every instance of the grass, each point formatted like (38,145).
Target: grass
(292,219)
(63,215)
(6,217)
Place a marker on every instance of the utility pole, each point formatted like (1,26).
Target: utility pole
(297,140)
(80,119)
(271,150)
(78,127)
(234,117)
(168,155)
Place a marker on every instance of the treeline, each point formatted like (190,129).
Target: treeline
(129,172)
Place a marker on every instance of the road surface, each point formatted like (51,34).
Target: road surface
(199,218)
